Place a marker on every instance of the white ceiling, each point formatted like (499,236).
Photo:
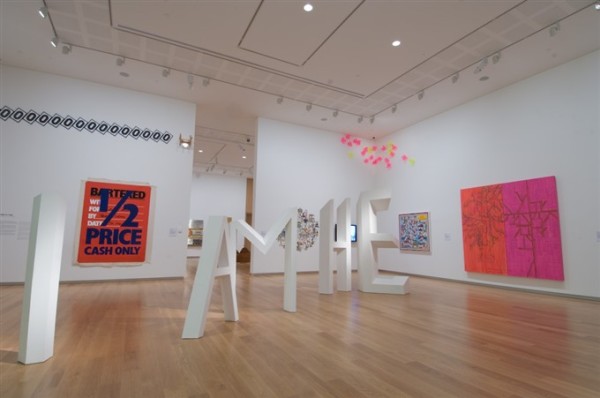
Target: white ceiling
(243,59)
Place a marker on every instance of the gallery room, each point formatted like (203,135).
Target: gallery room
(264,198)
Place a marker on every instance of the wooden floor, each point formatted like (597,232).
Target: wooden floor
(444,339)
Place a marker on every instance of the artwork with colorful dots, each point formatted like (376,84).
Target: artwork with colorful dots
(374,154)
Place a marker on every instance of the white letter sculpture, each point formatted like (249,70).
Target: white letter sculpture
(289,221)
(369,241)
(342,247)
(38,319)
(217,261)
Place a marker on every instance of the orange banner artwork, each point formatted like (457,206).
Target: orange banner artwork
(114,223)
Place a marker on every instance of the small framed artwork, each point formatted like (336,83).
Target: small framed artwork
(414,232)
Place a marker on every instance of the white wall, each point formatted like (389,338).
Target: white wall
(215,195)
(547,125)
(36,159)
(300,167)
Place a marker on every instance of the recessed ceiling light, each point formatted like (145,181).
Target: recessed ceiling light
(244,157)
(308,7)
(396,43)
(200,150)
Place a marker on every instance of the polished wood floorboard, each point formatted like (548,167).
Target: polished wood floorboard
(444,339)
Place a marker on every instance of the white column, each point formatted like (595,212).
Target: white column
(38,320)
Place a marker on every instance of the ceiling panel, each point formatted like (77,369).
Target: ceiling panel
(283,31)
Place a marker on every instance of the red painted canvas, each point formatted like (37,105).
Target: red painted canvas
(513,229)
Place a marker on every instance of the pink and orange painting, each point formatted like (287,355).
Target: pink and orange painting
(513,229)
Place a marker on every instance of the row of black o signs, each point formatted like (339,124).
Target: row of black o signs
(79,124)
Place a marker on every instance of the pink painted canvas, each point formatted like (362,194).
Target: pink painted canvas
(525,238)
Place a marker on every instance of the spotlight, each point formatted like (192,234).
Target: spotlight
(166,72)
(421,95)
(190,80)
(54,42)
(335,113)
(394,108)
(554,29)
(308,7)
(66,49)
(372,119)
(481,66)
(205,82)
(43,11)
(308,107)
(360,119)
(279,100)
(120,61)
(496,58)
(185,142)
(597,5)
(455,77)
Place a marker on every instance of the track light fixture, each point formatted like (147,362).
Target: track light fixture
(308,107)
(597,5)
(455,77)
(120,61)
(394,108)
(554,29)
(372,119)
(190,80)
(54,42)
(66,49)
(205,81)
(482,64)
(185,142)
(166,72)
(421,95)
(43,11)
(360,119)
(280,100)
(496,58)
(335,113)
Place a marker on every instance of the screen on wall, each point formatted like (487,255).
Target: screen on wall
(114,223)
(353,234)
